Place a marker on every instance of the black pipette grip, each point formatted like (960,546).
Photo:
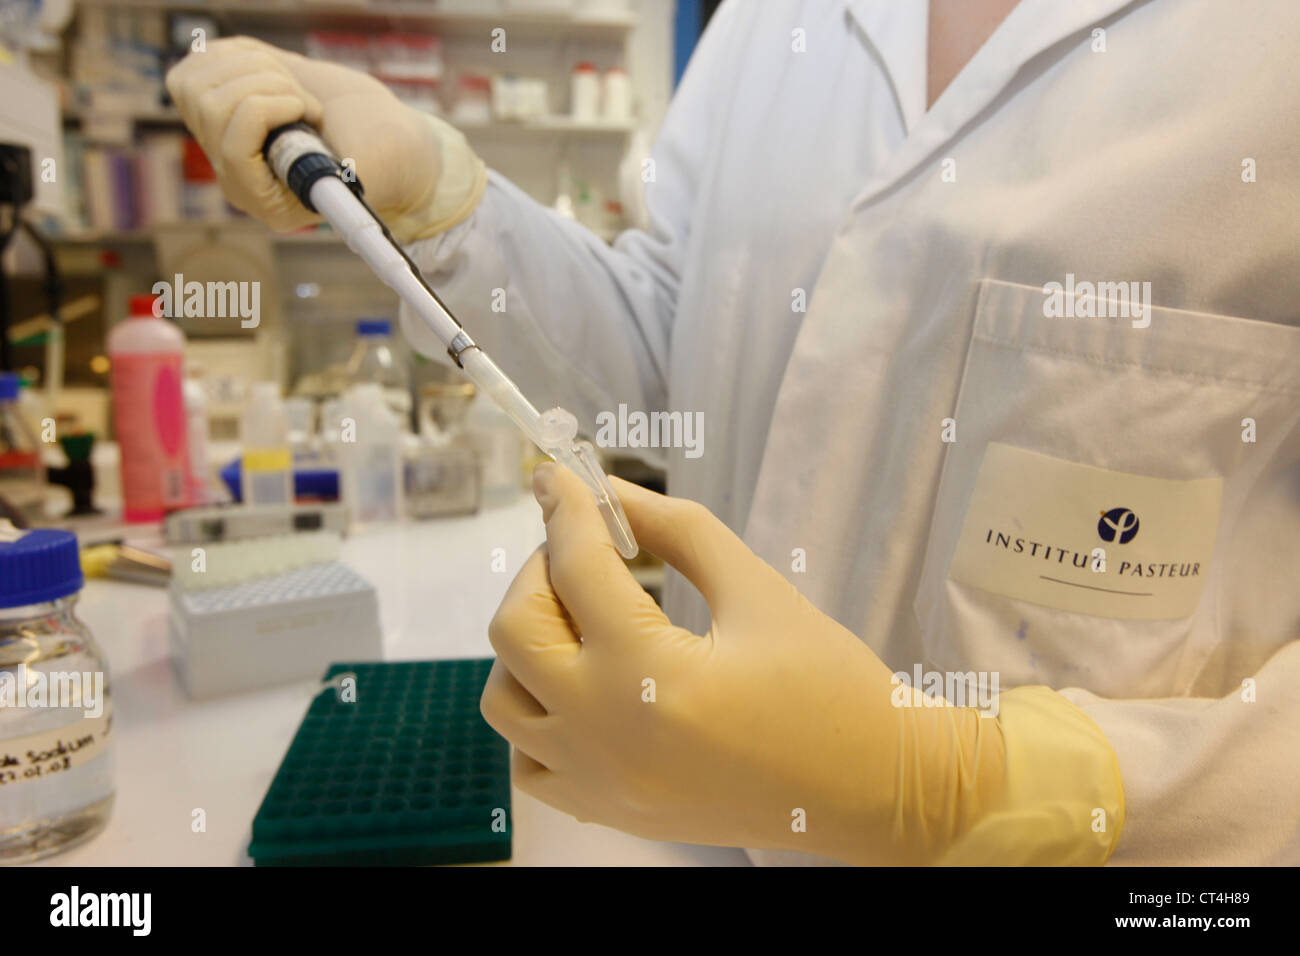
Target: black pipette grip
(299,157)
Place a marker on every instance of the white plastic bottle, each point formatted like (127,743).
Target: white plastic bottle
(267,463)
(196,433)
(332,413)
(500,449)
(371,449)
(616,96)
(584,93)
(147,354)
(302,432)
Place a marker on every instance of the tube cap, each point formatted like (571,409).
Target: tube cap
(9,386)
(374,327)
(41,565)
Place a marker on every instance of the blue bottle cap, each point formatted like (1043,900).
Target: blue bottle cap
(41,565)
(374,327)
(9,386)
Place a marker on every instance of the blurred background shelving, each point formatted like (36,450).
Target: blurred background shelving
(135,199)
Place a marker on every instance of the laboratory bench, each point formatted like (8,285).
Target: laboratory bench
(437,592)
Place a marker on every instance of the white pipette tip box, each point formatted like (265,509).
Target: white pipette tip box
(272,630)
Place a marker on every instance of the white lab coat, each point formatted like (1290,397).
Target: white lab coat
(778,171)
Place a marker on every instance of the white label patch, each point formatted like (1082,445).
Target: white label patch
(42,755)
(1035,525)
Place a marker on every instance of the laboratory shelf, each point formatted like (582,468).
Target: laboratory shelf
(549,124)
(146,236)
(159,116)
(164,116)
(409,13)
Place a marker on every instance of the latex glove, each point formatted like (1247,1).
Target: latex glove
(777,716)
(418,172)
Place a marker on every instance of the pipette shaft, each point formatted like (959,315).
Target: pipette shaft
(300,158)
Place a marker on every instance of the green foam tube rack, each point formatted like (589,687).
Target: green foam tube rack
(398,769)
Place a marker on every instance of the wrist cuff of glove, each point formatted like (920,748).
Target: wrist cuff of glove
(1064,799)
(461,182)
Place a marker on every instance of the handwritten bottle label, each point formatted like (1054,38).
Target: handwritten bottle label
(47,774)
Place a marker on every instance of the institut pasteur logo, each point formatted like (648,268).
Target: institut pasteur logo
(1119,525)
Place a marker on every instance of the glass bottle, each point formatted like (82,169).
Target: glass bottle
(375,361)
(56,757)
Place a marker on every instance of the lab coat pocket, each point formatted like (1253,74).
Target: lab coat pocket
(1099,453)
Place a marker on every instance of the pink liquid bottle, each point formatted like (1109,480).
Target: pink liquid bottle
(147,355)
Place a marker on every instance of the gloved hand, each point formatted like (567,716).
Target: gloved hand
(777,716)
(418,172)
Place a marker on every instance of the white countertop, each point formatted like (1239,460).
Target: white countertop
(437,592)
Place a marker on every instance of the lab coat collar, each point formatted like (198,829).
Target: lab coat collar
(897,31)
(895,27)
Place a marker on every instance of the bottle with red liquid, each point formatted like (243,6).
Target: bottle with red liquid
(147,353)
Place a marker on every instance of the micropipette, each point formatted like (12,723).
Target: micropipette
(303,162)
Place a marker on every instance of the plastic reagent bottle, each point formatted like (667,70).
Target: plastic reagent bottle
(266,467)
(22,476)
(147,354)
(500,450)
(371,457)
(373,361)
(56,741)
(302,417)
(196,431)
